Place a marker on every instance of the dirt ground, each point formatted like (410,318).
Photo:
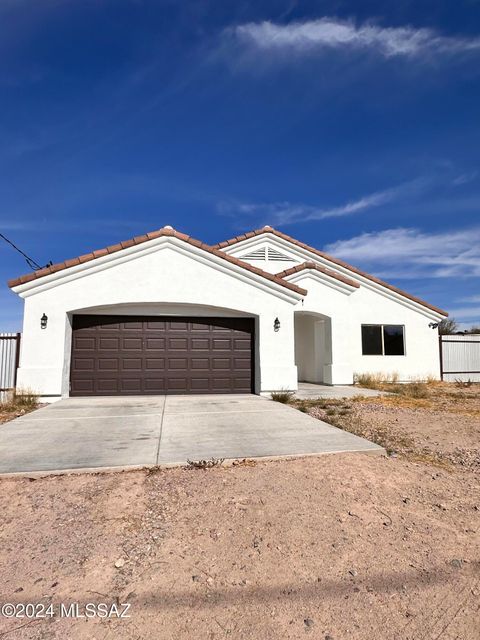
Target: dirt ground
(14,408)
(330,547)
(442,426)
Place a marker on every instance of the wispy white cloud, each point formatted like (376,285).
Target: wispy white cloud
(12,225)
(464,178)
(465,313)
(284,213)
(315,36)
(410,253)
(470,299)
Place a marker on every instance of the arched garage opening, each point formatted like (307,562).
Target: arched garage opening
(156,349)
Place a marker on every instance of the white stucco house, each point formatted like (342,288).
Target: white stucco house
(164,313)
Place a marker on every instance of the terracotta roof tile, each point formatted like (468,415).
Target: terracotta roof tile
(326,256)
(166,231)
(316,267)
(98,254)
(42,272)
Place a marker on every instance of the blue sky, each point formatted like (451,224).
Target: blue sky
(353,126)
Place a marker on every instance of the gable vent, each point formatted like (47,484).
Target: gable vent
(258,254)
(276,256)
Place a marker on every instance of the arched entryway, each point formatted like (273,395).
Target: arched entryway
(313,347)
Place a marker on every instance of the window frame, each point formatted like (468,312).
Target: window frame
(383,354)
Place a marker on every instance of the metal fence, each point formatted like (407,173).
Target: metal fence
(9,357)
(460,357)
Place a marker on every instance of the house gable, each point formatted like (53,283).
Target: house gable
(266,253)
(307,272)
(141,245)
(303,252)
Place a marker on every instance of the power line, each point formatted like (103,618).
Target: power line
(31,263)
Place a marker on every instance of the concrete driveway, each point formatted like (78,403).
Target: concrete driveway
(93,433)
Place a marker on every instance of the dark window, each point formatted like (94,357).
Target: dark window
(393,340)
(372,340)
(383,340)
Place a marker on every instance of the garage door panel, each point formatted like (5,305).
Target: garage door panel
(108,344)
(110,326)
(199,385)
(202,364)
(177,344)
(155,325)
(242,384)
(132,344)
(84,364)
(200,344)
(107,385)
(131,385)
(178,325)
(177,384)
(132,326)
(154,385)
(134,355)
(132,363)
(107,364)
(178,364)
(240,344)
(84,387)
(155,364)
(221,344)
(221,384)
(84,344)
(221,363)
(155,343)
(242,364)
(200,327)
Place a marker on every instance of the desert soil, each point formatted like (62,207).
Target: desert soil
(339,546)
(11,413)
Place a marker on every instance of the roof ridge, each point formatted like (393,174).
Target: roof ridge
(327,256)
(153,235)
(317,267)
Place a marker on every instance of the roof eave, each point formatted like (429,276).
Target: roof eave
(279,234)
(28,281)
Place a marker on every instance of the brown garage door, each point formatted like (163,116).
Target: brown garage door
(130,355)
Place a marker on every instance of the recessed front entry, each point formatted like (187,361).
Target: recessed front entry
(149,355)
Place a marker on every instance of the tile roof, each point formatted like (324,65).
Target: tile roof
(316,267)
(166,231)
(326,256)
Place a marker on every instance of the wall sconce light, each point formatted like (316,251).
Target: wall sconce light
(433,325)
(276,324)
(43,322)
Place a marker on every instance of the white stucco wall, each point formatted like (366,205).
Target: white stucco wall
(421,359)
(165,272)
(348,311)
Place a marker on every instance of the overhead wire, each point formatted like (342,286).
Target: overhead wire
(30,261)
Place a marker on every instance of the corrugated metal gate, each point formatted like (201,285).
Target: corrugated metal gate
(9,356)
(460,357)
